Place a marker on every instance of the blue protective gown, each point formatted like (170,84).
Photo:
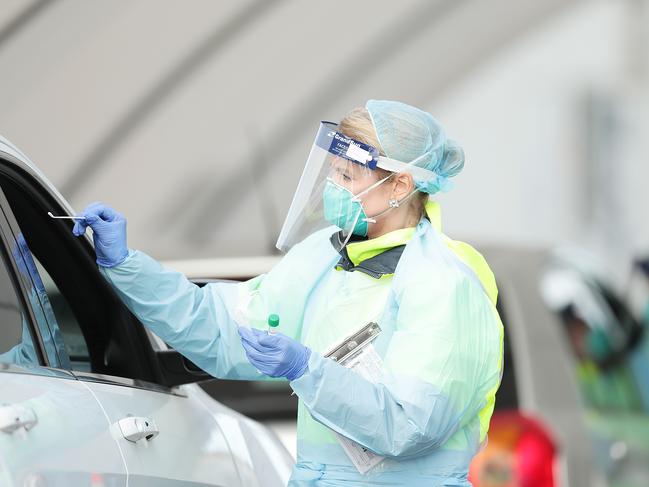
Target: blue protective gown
(441,348)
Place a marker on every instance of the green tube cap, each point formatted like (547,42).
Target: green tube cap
(273,320)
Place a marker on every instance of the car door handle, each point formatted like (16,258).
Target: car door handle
(135,428)
(15,416)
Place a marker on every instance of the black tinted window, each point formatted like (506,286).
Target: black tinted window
(94,330)
(507,395)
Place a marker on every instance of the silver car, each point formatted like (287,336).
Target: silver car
(88,396)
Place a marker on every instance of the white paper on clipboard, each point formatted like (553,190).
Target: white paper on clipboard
(361,357)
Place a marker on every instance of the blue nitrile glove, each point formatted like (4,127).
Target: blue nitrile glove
(275,355)
(109,233)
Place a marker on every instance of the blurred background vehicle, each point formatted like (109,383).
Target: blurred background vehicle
(87,394)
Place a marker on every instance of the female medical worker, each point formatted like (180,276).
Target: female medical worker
(364,245)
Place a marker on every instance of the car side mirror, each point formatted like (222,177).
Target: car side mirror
(177,369)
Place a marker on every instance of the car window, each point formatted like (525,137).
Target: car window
(71,334)
(597,329)
(16,341)
(507,396)
(93,331)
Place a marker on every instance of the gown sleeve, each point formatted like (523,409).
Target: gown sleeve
(199,322)
(24,352)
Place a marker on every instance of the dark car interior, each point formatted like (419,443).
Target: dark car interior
(507,395)
(101,336)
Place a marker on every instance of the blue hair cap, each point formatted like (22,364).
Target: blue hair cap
(413,136)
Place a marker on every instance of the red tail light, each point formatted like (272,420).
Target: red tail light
(519,453)
(96,480)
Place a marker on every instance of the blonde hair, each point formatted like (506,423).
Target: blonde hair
(357,124)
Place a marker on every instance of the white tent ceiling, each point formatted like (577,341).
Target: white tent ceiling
(194,118)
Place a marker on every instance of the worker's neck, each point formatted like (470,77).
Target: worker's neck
(395,219)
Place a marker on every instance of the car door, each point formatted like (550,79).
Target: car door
(52,429)
(166,436)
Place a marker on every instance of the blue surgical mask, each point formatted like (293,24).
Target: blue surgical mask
(344,209)
(341,208)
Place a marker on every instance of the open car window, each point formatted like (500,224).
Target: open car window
(23,296)
(97,333)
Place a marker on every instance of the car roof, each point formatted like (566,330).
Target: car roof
(17,158)
(238,268)
(501,258)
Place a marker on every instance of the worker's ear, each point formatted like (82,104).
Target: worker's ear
(403,185)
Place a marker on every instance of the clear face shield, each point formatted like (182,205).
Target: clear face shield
(339,173)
